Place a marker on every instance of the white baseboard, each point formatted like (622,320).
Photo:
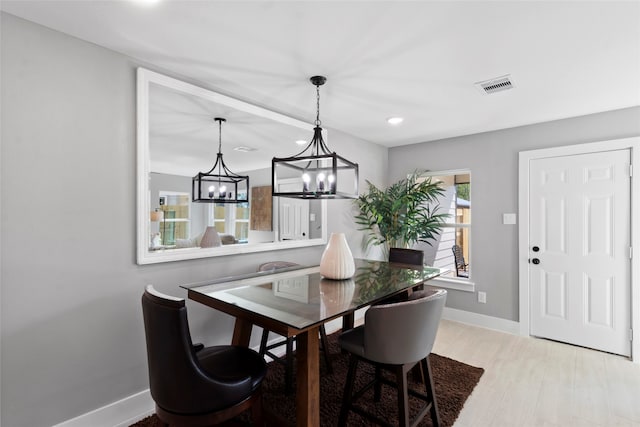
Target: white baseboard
(134,408)
(481,320)
(122,413)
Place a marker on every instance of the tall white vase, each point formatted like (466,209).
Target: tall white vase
(337,259)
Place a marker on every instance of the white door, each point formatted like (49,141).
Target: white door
(294,216)
(579,250)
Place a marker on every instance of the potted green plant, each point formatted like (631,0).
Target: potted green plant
(405,213)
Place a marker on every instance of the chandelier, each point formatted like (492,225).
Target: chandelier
(219,184)
(319,172)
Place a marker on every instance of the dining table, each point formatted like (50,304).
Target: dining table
(296,301)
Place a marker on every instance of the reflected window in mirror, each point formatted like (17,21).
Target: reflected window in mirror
(176,218)
(231,220)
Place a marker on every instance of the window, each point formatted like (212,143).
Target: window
(176,222)
(232,218)
(242,222)
(452,249)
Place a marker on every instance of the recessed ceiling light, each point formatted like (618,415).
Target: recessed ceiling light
(301,142)
(395,120)
(146,2)
(244,149)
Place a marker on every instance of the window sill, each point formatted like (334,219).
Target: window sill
(450,283)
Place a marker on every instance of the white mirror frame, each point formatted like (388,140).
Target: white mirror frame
(144,255)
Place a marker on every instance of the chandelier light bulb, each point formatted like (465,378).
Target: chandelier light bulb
(320,181)
(331,179)
(306,179)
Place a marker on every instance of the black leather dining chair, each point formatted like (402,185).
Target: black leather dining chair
(193,385)
(265,348)
(395,337)
(406,256)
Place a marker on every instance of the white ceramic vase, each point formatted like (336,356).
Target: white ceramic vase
(337,260)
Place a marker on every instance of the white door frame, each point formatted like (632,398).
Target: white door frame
(525,157)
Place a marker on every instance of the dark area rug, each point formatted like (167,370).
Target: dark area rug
(454,382)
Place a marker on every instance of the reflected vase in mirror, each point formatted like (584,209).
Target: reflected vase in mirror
(337,260)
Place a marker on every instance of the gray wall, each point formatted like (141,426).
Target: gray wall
(492,158)
(72,334)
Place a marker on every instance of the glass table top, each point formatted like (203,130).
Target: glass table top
(300,297)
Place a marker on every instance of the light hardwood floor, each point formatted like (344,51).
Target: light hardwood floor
(541,383)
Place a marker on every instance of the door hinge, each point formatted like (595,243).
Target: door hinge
(630,252)
(630,170)
(630,334)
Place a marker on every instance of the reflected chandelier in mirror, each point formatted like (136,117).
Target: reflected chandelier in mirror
(211,186)
(174,135)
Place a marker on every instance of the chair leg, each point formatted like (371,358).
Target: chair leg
(289,355)
(288,372)
(348,391)
(431,391)
(263,342)
(403,396)
(325,349)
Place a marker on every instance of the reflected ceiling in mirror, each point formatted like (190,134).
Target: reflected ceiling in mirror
(177,138)
(183,135)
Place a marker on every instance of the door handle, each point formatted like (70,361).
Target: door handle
(535,249)
(536,261)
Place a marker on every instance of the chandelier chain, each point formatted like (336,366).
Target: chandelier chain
(219,136)
(318,122)
(220,163)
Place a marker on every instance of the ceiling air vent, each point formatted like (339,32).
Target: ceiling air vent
(497,84)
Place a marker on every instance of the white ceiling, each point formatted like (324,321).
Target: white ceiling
(415,59)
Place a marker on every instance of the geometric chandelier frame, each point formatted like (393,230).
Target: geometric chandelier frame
(321,173)
(220,184)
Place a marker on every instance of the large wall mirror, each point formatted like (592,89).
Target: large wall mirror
(177,138)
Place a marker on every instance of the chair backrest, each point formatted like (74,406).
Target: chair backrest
(406,256)
(276,265)
(176,379)
(403,332)
(459,258)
